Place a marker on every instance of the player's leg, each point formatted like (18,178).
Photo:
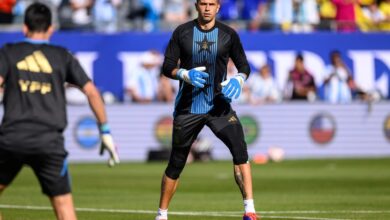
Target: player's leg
(10,165)
(229,129)
(52,172)
(185,130)
(63,207)
(170,179)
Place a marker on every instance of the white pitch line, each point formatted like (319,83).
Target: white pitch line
(303,218)
(213,214)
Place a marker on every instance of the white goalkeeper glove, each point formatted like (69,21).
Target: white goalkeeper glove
(193,76)
(108,144)
(232,87)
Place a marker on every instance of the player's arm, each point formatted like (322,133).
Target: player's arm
(77,76)
(195,76)
(3,66)
(231,88)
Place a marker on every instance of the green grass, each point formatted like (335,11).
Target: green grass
(331,189)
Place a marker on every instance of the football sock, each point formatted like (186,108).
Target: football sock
(249,206)
(162,213)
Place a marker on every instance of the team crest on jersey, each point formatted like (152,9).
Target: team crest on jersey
(205,45)
(322,128)
(36,63)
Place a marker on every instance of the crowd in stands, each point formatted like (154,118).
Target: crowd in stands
(145,84)
(252,15)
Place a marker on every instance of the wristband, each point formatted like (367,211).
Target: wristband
(105,128)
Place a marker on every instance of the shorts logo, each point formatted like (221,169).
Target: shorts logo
(386,128)
(232,119)
(87,133)
(322,128)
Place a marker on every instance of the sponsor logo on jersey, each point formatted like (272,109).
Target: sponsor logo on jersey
(87,133)
(36,63)
(322,128)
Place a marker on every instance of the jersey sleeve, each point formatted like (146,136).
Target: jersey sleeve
(238,56)
(3,63)
(75,73)
(172,55)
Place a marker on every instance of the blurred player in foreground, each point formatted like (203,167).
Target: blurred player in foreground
(34,73)
(203,47)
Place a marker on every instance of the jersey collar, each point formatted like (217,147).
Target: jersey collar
(34,41)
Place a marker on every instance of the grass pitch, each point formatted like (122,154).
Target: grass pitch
(337,189)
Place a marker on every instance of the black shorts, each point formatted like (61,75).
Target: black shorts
(225,125)
(51,170)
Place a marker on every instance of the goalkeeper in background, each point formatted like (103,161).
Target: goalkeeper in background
(203,47)
(33,73)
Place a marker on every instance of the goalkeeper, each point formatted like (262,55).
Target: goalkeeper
(33,73)
(203,47)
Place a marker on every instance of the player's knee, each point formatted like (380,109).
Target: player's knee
(240,158)
(177,162)
(174,169)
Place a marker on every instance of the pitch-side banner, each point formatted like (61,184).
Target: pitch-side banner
(106,58)
(302,130)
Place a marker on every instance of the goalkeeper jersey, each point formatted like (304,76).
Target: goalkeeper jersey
(194,47)
(34,75)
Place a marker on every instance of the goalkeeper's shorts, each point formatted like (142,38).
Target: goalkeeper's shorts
(51,170)
(225,125)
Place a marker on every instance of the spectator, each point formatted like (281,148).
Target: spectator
(327,12)
(228,10)
(258,14)
(338,80)
(105,15)
(385,9)
(153,12)
(301,81)
(345,15)
(263,88)
(166,90)
(283,14)
(175,12)
(6,15)
(373,16)
(305,15)
(142,84)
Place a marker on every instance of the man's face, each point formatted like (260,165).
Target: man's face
(207,9)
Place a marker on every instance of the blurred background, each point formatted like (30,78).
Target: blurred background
(319,86)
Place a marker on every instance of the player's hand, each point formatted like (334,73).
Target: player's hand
(195,76)
(231,88)
(108,144)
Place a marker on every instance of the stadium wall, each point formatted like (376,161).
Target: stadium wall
(106,58)
(303,130)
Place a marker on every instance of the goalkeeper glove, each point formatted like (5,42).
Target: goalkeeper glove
(232,87)
(193,76)
(108,144)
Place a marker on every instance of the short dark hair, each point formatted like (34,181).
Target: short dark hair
(37,17)
(219,1)
(299,57)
